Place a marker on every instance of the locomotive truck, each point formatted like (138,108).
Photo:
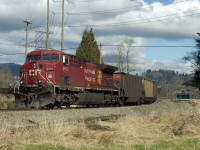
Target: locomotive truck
(50,78)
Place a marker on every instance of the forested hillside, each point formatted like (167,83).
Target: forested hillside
(166,76)
(171,82)
(9,73)
(10,68)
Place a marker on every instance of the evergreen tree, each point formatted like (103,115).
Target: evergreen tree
(88,48)
(194,59)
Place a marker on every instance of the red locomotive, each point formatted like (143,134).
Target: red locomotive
(51,78)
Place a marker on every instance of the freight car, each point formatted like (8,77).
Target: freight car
(52,78)
(135,89)
(130,87)
(150,91)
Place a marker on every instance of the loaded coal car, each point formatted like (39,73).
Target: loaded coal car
(131,88)
(51,78)
(135,89)
(150,91)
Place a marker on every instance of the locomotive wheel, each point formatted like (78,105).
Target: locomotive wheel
(107,100)
(120,102)
(140,102)
(32,101)
(57,105)
(48,107)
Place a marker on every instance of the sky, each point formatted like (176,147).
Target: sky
(163,31)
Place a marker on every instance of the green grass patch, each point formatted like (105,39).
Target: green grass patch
(56,147)
(46,147)
(138,147)
(192,144)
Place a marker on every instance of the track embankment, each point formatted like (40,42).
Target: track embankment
(15,119)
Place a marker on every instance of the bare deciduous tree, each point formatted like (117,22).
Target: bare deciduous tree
(125,62)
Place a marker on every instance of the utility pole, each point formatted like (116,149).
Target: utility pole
(48,26)
(63,25)
(27,28)
(100,57)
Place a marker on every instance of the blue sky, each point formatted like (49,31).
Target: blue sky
(148,22)
(169,53)
(173,53)
(162,1)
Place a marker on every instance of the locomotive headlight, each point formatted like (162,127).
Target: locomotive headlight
(34,65)
(21,82)
(39,82)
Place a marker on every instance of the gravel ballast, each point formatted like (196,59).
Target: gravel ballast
(17,119)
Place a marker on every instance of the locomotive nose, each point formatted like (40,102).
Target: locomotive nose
(29,74)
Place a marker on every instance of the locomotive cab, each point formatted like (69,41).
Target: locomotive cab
(39,69)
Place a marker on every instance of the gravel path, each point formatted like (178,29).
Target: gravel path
(16,119)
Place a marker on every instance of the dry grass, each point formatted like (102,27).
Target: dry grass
(146,129)
(6,101)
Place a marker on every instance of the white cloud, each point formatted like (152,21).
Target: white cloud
(119,19)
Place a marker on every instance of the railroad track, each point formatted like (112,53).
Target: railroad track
(63,108)
(14,109)
(9,91)
(6,90)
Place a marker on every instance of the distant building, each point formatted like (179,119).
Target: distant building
(182,95)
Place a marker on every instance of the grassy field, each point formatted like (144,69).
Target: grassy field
(6,101)
(171,128)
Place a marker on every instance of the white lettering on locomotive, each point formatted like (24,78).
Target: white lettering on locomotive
(90,79)
(89,71)
(31,73)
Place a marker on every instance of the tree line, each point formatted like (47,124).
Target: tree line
(194,59)
(91,51)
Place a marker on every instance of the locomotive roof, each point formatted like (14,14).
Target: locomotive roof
(109,68)
(105,67)
(39,52)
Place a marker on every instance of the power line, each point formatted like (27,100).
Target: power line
(150,46)
(110,45)
(11,54)
(164,1)
(155,46)
(122,9)
(142,20)
(12,44)
(53,27)
(84,1)
(119,9)
(18,45)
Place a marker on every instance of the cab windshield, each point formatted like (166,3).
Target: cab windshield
(50,57)
(33,58)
